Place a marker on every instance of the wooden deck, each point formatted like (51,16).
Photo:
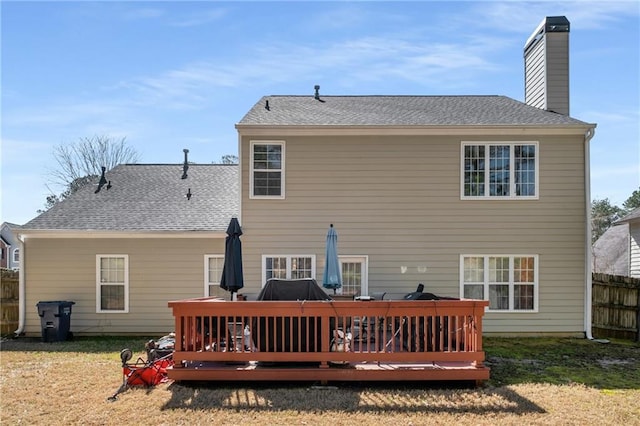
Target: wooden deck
(328,340)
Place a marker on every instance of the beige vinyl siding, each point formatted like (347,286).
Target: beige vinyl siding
(160,270)
(397,200)
(535,76)
(634,250)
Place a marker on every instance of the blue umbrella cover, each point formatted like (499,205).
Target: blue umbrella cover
(332,274)
(232,278)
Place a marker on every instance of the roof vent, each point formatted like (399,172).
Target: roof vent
(185,166)
(103,181)
(317,95)
(266,105)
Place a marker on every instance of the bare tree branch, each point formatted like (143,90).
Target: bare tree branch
(77,164)
(86,157)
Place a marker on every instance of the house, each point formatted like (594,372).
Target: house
(9,247)
(631,223)
(611,251)
(617,251)
(474,196)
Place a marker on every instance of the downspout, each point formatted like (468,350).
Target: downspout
(587,248)
(22,303)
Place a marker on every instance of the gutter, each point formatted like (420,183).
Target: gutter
(588,296)
(22,303)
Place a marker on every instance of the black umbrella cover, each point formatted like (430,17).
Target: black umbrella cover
(232,279)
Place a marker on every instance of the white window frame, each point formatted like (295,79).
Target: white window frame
(207,281)
(288,270)
(512,181)
(252,195)
(15,255)
(486,283)
(99,309)
(364,274)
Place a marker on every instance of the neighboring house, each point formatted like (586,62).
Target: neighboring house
(5,247)
(474,196)
(9,246)
(611,251)
(632,222)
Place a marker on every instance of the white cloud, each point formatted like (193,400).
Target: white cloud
(369,58)
(630,171)
(201,18)
(64,113)
(23,152)
(611,117)
(143,13)
(516,15)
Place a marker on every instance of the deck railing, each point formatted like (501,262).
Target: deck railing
(329,333)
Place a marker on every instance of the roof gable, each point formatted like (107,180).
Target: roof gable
(150,197)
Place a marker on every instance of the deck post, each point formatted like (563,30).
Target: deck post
(325,338)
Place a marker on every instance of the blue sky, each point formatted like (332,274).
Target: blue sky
(173,75)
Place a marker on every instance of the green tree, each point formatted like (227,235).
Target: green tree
(633,202)
(228,159)
(78,183)
(603,214)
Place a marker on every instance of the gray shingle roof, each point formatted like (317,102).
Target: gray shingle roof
(633,216)
(611,252)
(400,111)
(150,198)
(11,225)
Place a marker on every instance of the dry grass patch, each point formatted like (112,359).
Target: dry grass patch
(69,382)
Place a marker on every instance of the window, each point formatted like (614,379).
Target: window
(213,265)
(500,170)
(267,169)
(288,267)
(112,275)
(354,275)
(16,255)
(508,282)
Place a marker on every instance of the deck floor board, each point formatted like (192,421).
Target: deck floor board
(312,371)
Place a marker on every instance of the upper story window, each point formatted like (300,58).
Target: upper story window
(508,282)
(500,170)
(288,267)
(267,169)
(112,276)
(16,255)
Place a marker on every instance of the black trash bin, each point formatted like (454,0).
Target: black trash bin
(55,320)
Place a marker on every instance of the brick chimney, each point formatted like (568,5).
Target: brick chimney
(546,66)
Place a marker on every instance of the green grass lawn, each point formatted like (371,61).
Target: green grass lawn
(614,365)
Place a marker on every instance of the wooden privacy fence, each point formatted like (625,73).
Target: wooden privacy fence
(616,306)
(328,340)
(9,301)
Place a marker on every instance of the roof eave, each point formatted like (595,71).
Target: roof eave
(633,217)
(436,130)
(94,233)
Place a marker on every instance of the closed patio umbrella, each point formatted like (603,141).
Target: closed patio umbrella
(232,279)
(332,274)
